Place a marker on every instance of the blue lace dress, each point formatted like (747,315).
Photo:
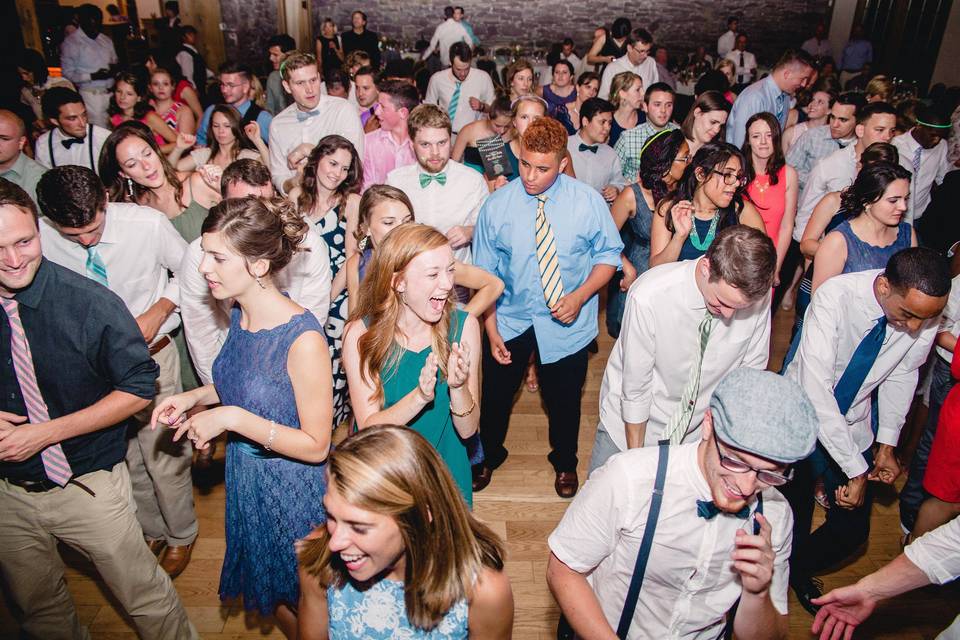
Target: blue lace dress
(379,613)
(271,501)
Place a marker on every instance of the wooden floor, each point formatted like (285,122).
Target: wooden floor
(520,504)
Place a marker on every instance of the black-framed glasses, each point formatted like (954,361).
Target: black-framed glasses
(769,478)
(731,179)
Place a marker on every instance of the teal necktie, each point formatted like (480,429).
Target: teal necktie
(96,268)
(454,102)
(427,178)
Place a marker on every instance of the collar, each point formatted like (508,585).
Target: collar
(383,134)
(110,232)
(690,293)
(550,192)
(33,294)
(454,78)
(243,107)
(18,167)
(445,169)
(773,89)
(580,140)
(907,140)
(869,299)
(688,453)
(191,47)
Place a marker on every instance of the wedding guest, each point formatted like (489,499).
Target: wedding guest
(820,141)
(15,165)
(74,139)
(497,123)
(705,120)
(176,114)
(278,46)
(329,50)
(561,90)
(89,61)
(518,79)
(359,38)
(389,147)
(235,84)
(36,78)
(744,63)
(923,152)
(818,46)
(183,91)
(365,90)
(272,382)
(191,62)
(726,41)
(130,102)
(636,60)
(391,480)
(857,54)
(626,95)
(588,85)
(228,143)
(447,33)
(608,46)
(594,161)
(658,105)
(817,112)
(462,92)
(406,330)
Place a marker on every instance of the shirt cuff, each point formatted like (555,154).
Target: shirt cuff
(854,466)
(886,435)
(634,411)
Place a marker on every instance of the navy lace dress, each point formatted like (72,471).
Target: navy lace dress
(271,501)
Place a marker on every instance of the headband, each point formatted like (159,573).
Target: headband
(652,138)
(934,126)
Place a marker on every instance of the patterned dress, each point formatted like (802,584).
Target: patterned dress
(334,231)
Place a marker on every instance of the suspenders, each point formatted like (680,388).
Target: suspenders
(53,160)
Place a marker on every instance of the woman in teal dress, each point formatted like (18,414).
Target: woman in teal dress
(411,356)
(400,557)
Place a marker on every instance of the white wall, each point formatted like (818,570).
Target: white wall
(840,24)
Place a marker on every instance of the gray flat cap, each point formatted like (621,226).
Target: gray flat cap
(764,414)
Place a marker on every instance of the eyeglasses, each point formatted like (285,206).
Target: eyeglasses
(683,159)
(731,179)
(769,478)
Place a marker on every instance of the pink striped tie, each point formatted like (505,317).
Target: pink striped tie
(54,460)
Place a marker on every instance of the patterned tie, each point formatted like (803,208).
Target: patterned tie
(303,116)
(547,257)
(859,366)
(54,460)
(427,178)
(454,102)
(917,157)
(96,269)
(680,420)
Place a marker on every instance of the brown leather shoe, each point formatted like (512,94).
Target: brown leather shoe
(566,484)
(481,477)
(176,559)
(156,546)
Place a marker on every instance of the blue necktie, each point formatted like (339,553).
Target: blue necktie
(708,511)
(859,366)
(95,267)
(303,116)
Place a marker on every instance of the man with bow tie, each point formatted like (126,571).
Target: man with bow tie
(594,161)
(74,140)
(663,541)
(444,193)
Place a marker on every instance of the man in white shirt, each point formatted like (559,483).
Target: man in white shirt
(132,249)
(192,65)
(923,152)
(864,331)
(566,53)
(297,129)
(447,33)
(729,38)
(74,139)
(875,123)
(637,59)
(648,376)
(445,194)
(594,161)
(462,92)
(744,62)
(306,279)
(703,550)
(819,45)
(89,61)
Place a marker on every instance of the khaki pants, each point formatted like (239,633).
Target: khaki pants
(160,467)
(105,530)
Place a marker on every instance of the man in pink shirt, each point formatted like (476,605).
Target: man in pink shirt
(389,147)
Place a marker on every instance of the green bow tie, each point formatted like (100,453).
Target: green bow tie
(426,178)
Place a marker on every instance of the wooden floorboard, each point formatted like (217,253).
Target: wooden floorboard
(520,505)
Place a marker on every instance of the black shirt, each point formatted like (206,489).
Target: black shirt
(328,56)
(368,41)
(85,344)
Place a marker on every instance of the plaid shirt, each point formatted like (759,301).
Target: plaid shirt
(630,145)
(813,144)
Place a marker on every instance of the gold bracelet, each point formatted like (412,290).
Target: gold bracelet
(473,405)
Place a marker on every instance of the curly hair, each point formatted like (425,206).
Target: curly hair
(657,159)
(545,135)
(329,145)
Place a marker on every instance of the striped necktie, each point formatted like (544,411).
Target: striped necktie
(547,257)
(54,460)
(917,158)
(96,269)
(454,102)
(680,420)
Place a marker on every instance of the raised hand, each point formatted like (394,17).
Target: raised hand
(682,215)
(428,378)
(458,365)
(753,557)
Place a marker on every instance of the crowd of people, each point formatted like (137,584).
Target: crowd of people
(189,259)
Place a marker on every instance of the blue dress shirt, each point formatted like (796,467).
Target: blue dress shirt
(263,120)
(763,95)
(856,54)
(504,244)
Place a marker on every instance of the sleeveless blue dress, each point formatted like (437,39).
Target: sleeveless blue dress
(379,613)
(271,501)
(636,241)
(862,256)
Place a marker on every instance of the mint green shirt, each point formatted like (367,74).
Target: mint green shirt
(25,173)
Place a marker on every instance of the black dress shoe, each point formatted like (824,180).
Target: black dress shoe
(482,475)
(806,590)
(566,484)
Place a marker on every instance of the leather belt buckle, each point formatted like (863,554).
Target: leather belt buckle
(158,346)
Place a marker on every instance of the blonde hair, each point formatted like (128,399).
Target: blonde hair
(427,116)
(880,86)
(379,304)
(394,471)
(621,81)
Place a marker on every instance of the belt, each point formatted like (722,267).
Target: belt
(41,486)
(158,346)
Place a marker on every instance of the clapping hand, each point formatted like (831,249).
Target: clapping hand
(428,379)
(458,365)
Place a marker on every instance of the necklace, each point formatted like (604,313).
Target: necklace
(702,245)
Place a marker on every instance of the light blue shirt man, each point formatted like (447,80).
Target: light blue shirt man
(763,95)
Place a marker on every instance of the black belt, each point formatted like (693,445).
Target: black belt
(41,486)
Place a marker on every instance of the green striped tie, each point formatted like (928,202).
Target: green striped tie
(680,420)
(547,257)
(96,269)
(454,102)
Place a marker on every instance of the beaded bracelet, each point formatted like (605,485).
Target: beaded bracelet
(473,405)
(273,434)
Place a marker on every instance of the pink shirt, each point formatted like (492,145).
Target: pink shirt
(381,155)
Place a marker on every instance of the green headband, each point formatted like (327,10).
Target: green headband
(934,126)
(652,138)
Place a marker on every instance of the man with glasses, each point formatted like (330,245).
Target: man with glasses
(863,332)
(637,59)
(235,87)
(685,325)
(694,528)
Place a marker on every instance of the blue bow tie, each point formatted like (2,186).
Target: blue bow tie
(708,511)
(306,115)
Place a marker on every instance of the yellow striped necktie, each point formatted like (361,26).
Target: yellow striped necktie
(547,257)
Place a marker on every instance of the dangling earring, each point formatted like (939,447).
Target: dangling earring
(364,241)
(130,187)
(262,286)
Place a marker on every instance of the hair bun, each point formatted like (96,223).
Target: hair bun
(295,228)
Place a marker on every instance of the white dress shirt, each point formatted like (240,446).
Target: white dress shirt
(936,554)
(950,320)
(81,56)
(577,63)
(690,582)
(817,48)
(477,85)
(185,60)
(842,312)
(650,362)
(79,154)
(934,165)
(834,172)
(206,320)
(744,64)
(334,116)
(455,203)
(447,33)
(726,43)
(647,70)
(139,247)
(596,169)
